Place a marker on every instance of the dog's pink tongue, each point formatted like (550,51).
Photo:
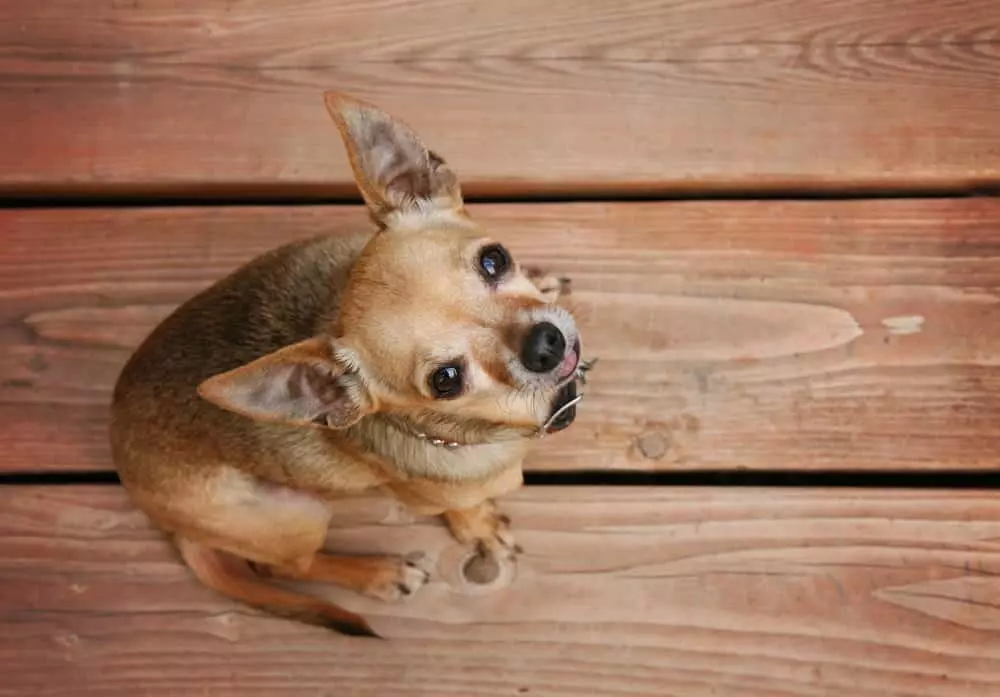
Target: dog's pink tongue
(568,365)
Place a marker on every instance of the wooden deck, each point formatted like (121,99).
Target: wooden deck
(764,315)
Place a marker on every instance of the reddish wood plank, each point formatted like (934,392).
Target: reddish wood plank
(764,335)
(728,593)
(203,97)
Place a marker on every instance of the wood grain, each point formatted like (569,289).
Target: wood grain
(764,335)
(222,97)
(644,592)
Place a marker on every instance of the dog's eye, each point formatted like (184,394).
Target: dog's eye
(494,261)
(446,382)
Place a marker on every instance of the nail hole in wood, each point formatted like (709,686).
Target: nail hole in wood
(653,446)
(481,569)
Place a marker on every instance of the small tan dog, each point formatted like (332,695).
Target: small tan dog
(419,360)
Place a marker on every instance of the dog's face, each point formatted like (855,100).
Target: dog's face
(439,323)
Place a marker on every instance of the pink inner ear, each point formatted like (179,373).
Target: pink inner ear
(398,163)
(318,383)
(281,391)
(298,384)
(301,390)
(318,393)
(414,183)
(395,166)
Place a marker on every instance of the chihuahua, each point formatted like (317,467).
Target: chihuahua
(420,360)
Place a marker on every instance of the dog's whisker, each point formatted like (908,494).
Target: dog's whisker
(583,368)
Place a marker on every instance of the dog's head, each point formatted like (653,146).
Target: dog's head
(439,325)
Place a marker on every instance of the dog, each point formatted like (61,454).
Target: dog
(419,360)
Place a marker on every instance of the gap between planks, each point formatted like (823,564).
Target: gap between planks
(51,195)
(950,480)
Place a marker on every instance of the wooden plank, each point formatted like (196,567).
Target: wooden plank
(763,335)
(222,97)
(644,592)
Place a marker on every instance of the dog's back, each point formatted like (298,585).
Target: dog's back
(275,300)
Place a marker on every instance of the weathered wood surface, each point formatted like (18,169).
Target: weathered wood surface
(767,335)
(222,97)
(645,592)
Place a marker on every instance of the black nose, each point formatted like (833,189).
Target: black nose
(544,348)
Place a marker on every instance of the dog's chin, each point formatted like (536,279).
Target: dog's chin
(565,395)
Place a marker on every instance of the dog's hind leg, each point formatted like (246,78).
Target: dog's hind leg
(386,578)
(233,577)
(234,531)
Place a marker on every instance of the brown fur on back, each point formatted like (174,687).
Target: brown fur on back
(277,299)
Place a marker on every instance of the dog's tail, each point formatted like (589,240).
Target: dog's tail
(233,577)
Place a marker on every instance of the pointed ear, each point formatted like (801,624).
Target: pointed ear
(305,383)
(393,168)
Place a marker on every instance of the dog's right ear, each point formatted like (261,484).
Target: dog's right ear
(393,168)
(305,383)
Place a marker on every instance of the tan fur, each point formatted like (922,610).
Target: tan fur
(303,377)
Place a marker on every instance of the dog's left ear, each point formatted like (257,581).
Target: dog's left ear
(393,168)
(305,383)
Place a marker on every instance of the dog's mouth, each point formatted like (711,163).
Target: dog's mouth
(563,410)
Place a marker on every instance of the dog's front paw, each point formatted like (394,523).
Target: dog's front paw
(552,287)
(500,544)
(485,527)
(399,578)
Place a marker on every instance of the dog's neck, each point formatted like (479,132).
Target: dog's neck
(409,449)
(448,434)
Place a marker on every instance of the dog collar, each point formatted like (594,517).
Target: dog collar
(408,428)
(449,444)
